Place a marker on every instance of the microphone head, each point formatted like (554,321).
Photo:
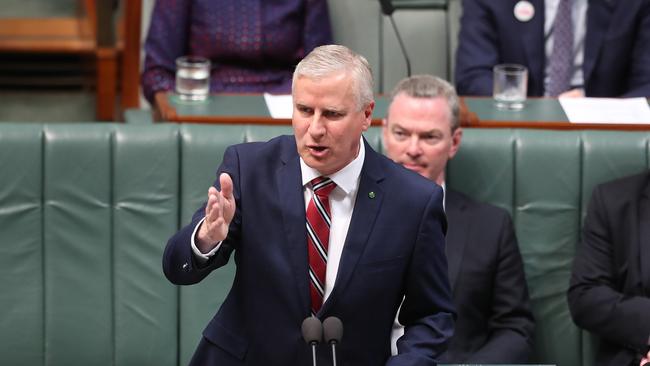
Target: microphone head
(333,329)
(312,330)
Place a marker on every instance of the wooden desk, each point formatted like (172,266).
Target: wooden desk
(540,113)
(251,109)
(218,108)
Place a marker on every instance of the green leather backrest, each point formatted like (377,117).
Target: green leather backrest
(545,178)
(86,209)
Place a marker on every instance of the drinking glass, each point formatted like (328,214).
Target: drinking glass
(510,86)
(192,78)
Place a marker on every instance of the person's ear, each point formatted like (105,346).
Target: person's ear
(367,114)
(456,138)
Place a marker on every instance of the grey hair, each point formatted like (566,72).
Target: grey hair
(328,59)
(429,86)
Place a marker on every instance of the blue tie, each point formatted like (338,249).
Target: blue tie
(561,58)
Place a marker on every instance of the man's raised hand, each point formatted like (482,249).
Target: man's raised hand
(218,213)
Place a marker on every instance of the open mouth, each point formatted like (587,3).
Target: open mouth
(317,148)
(413,166)
(318,152)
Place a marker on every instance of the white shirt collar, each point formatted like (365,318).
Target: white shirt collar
(346,179)
(444,195)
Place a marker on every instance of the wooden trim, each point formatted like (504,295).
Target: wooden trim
(166,111)
(466,117)
(558,125)
(65,35)
(106,83)
(130,63)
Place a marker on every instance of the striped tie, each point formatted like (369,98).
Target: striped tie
(561,58)
(318,234)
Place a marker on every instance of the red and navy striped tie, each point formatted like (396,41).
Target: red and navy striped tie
(319,221)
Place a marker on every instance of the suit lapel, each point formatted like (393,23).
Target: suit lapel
(644,238)
(457,233)
(599,15)
(363,218)
(289,185)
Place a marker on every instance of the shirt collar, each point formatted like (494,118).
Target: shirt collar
(346,179)
(444,195)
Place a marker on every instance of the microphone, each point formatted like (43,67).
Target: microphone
(387,9)
(312,333)
(333,332)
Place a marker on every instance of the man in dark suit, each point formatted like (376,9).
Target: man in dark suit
(609,293)
(494,323)
(609,55)
(321,225)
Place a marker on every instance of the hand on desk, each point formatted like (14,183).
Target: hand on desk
(573,93)
(219,211)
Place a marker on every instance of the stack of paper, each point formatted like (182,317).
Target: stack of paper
(606,110)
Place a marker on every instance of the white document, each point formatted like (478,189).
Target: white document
(606,110)
(279,106)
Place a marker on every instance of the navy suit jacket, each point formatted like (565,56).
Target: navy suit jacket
(394,248)
(495,324)
(616,55)
(609,293)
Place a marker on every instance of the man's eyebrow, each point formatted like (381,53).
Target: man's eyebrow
(395,125)
(420,133)
(335,109)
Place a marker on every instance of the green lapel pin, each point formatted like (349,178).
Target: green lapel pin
(371,194)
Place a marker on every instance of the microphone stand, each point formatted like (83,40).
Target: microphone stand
(313,353)
(333,353)
(387,9)
(401,45)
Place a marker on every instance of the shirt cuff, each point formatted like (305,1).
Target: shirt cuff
(198,255)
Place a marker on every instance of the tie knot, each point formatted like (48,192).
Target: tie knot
(322,186)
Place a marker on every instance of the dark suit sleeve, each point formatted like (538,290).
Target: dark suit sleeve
(595,302)
(427,311)
(511,324)
(477,49)
(639,80)
(179,263)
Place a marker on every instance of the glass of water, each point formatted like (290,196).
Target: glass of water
(510,86)
(192,78)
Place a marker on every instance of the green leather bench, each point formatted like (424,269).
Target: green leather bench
(86,209)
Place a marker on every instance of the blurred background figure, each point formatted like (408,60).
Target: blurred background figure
(609,293)
(253,44)
(494,324)
(570,47)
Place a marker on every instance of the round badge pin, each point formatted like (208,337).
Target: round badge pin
(524,11)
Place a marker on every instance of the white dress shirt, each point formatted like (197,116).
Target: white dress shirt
(342,199)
